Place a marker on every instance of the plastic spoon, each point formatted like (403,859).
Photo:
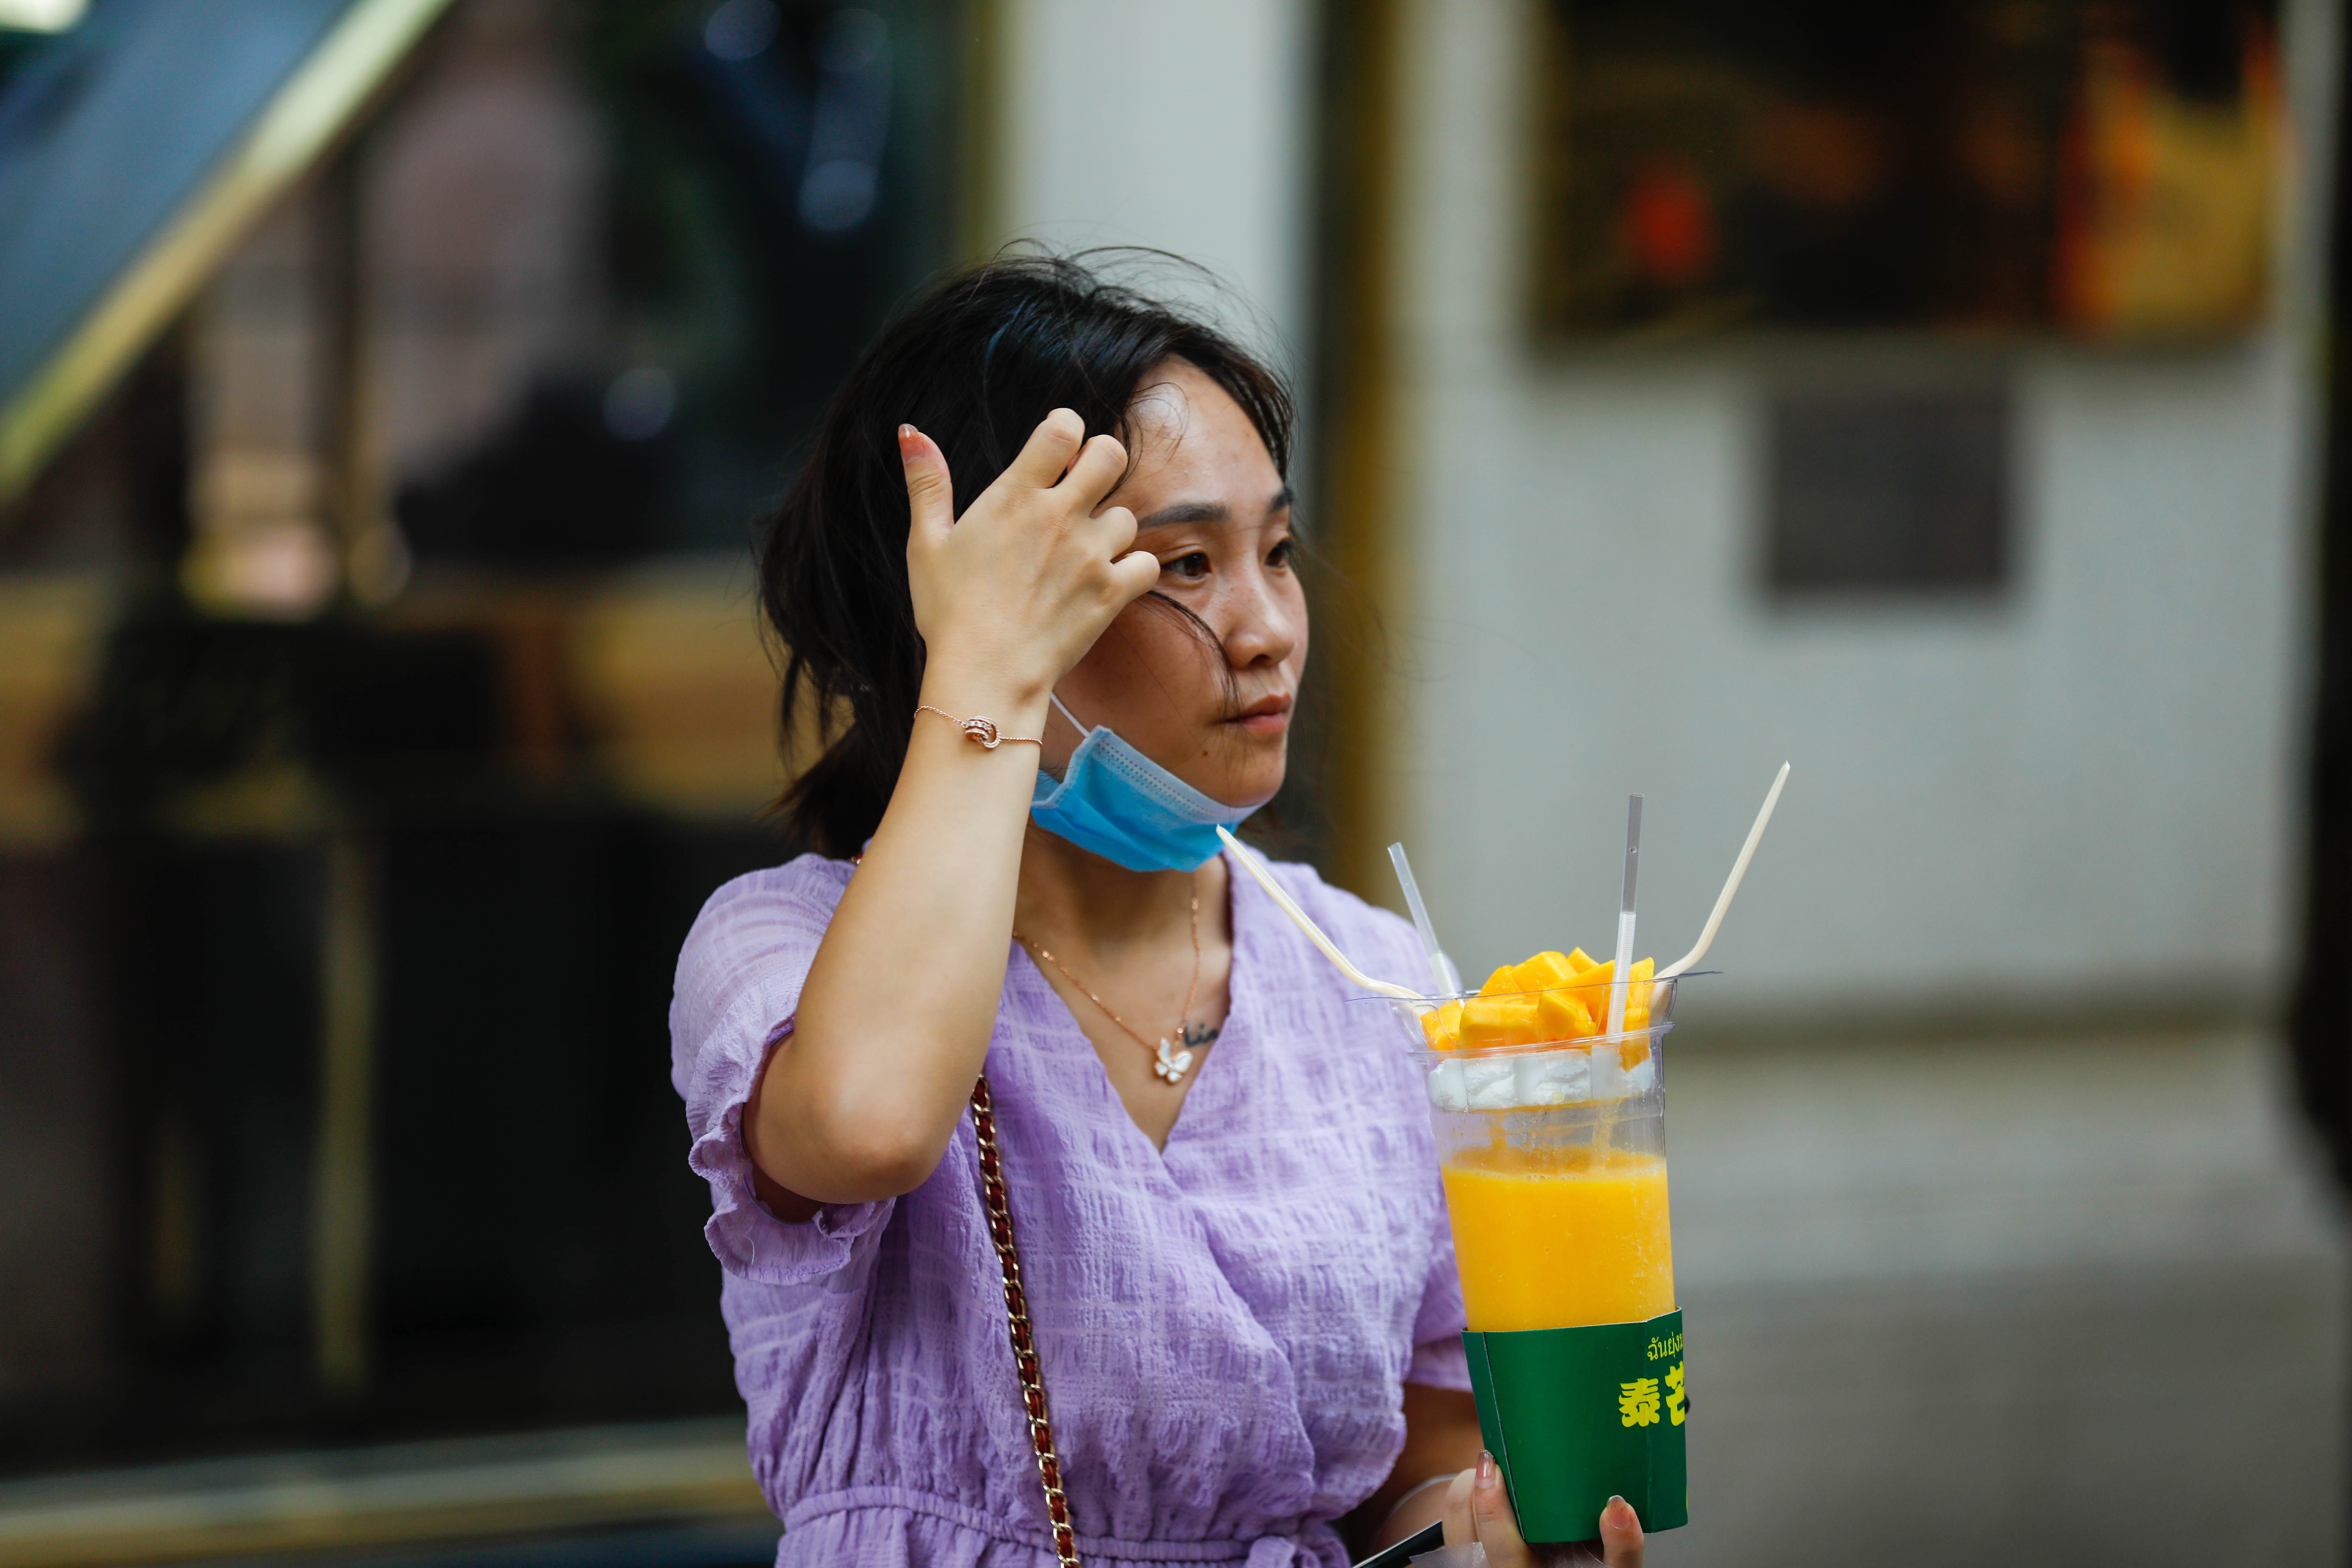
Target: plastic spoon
(1623,971)
(1441,968)
(1731,883)
(1264,879)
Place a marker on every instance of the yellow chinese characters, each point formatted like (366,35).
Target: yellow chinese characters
(1638,1401)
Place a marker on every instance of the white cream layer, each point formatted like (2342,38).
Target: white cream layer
(1537,1079)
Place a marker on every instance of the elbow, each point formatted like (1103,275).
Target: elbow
(851,1156)
(880,1162)
(842,1137)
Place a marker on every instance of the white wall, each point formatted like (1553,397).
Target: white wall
(2094,786)
(1184,127)
(2091,787)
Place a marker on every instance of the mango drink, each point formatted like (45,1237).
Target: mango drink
(1551,1144)
(1556,1240)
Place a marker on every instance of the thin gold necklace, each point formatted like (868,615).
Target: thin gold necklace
(1172,1057)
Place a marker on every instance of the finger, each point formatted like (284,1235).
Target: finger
(1047,452)
(1100,465)
(1134,574)
(1498,1527)
(1461,1529)
(931,489)
(1114,530)
(1621,1535)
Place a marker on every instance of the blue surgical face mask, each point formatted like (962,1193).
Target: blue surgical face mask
(1119,802)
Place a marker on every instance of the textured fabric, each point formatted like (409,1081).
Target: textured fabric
(1224,1327)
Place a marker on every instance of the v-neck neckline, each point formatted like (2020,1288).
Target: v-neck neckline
(1233,1030)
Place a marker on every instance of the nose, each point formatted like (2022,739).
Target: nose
(1266,621)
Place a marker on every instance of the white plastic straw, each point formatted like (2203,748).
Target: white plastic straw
(1264,879)
(1731,883)
(1622,974)
(1441,968)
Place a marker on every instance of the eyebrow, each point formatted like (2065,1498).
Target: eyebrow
(1205,511)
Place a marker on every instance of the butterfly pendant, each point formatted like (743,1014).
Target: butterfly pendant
(1173,1064)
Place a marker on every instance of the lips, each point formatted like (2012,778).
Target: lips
(1265,714)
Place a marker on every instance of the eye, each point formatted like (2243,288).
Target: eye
(1191,566)
(1280,555)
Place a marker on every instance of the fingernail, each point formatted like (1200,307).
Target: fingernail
(906,432)
(1485,1467)
(1619,1515)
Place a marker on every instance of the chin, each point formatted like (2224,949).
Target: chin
(1253,789)
(1248,774)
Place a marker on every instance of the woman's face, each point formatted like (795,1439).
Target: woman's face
(1210,504)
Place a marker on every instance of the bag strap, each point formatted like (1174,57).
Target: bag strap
(1016,1317)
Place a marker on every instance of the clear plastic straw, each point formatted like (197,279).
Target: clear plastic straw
(1441,968)
(1621,976)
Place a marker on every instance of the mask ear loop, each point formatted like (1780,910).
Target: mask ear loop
(1055,699)
(1083,730)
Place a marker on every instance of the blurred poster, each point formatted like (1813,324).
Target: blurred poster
(2103,169)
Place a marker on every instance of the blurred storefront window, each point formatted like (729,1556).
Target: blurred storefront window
(2098,168)
(380,693)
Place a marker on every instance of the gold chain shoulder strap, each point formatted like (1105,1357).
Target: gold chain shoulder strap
(1017,1320)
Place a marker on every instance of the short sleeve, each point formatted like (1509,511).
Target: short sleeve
(739,984)
(1438,1359)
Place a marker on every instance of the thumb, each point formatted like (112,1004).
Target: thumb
(1621,1535)
(1497,1525)
(931,491)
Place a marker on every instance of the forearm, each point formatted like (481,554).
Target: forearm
(895,1015)
(1441,1438)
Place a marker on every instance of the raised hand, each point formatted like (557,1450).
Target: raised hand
(1013,593)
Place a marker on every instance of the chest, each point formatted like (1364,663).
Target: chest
(1152,1022)
(1292,1171)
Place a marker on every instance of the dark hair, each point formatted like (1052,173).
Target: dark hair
(975,362)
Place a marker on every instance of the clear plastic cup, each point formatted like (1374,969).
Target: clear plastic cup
(1553,1154)
(1554,1159)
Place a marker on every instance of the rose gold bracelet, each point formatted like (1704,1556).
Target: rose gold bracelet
(982,731)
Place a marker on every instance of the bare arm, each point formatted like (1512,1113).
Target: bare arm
(859,1102)
(1441,1439)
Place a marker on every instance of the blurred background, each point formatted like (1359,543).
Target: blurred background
(1941,400)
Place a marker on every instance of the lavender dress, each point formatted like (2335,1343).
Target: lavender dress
(1225,1326)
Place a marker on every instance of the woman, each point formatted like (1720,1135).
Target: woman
(1230,1234)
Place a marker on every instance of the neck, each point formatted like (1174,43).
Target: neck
(1074,900)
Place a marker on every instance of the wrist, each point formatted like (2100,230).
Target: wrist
(1417,1489)
(1016,707)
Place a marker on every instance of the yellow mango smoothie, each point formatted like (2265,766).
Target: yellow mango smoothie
(1558,1238)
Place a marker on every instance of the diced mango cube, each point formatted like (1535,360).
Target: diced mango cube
(1593,990)
(1543,971)
(1507,1020)
(1504,982)
(1561,1015)
(1638,992)
(1442,1029)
